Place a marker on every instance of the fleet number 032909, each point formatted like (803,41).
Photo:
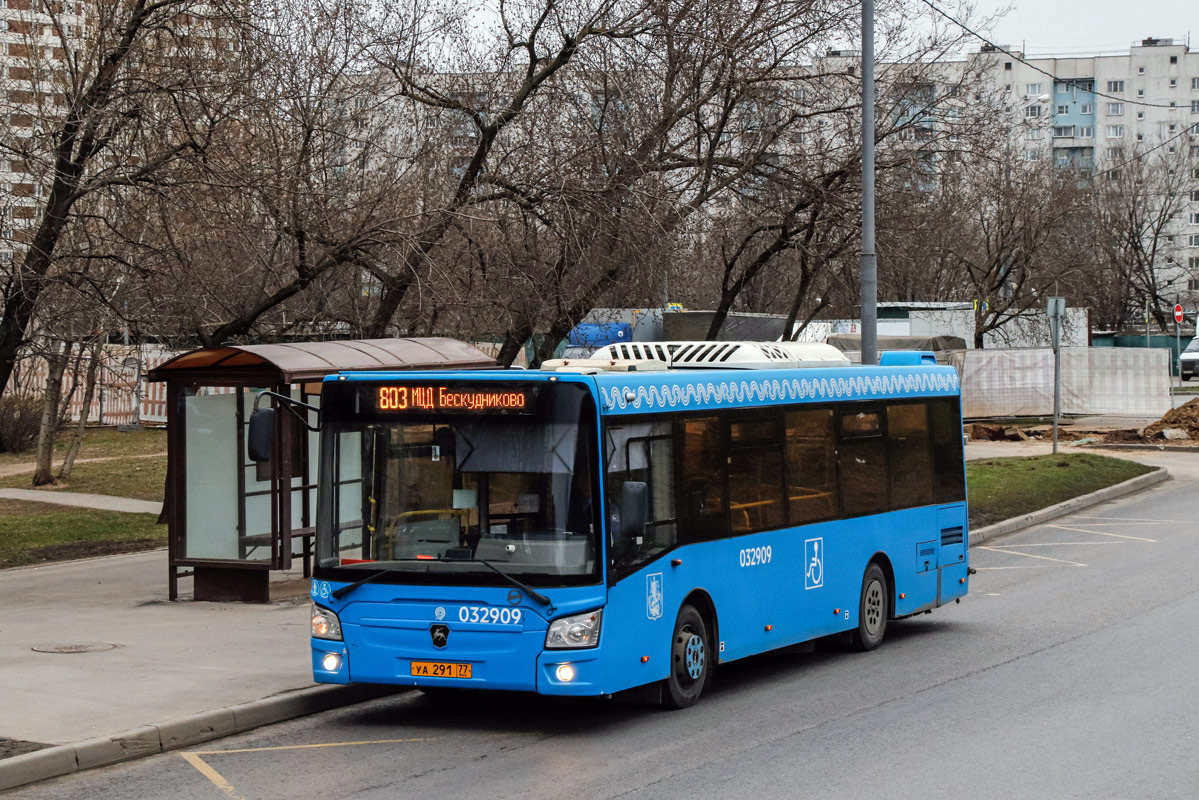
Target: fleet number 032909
(755,556)
(492,614)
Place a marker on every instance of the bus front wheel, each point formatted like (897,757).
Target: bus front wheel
(873,609)
(690,660)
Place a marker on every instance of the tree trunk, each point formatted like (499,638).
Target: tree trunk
(89,390)
(57,365)
(800,293)
(514,339)
(64,404)
(808,319)
(720,315)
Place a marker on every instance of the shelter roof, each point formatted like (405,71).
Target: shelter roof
(293,362)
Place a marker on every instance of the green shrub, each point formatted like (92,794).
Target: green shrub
(20,418)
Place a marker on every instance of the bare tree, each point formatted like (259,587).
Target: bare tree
(102,98)
(1003,223)
(1136,203)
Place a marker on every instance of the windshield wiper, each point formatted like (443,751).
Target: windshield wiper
(337,594)
(529,590)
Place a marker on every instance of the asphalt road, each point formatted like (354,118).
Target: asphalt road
(1069,672)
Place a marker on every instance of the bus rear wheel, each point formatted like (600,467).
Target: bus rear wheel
(873,609)
(690,660)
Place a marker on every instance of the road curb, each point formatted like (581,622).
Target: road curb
(1137,484)
(1156,448)
(65,759)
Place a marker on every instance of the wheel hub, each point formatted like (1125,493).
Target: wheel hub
(693,656)
(873,611)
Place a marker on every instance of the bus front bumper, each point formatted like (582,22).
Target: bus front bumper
(520,663)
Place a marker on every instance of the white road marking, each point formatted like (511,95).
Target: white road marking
(1056,544)
(999,549)
(1102,533)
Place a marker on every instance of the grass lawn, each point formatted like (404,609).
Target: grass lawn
(140,478)
(99,443)
(1000,488)
(32,533)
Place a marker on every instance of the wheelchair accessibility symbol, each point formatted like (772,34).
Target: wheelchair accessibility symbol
(813,556)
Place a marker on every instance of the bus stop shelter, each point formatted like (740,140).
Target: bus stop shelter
(231,520)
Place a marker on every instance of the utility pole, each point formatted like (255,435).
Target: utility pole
(1056,311)
(869,260)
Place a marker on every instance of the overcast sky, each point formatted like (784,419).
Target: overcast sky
(1062,26)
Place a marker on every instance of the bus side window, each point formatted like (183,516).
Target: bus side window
(702,506)
(812,492)
(910,454)
(950,484)
(863,457)
(641,451)
(755,472)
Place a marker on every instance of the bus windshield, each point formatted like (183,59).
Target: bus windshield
(428,477)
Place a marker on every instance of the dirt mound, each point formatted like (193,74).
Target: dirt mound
(1184,418)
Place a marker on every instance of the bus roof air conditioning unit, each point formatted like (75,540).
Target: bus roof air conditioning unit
(728,355)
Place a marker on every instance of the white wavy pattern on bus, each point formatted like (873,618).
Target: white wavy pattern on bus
(776,390)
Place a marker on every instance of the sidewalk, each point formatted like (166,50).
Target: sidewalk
(102,502)
(171,660)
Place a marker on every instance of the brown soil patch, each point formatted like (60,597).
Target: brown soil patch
(103,547)
(17,747)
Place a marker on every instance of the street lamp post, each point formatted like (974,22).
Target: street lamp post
(869,260)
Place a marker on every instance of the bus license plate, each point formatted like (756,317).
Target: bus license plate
(440,669)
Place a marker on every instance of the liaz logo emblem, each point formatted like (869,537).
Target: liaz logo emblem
(654,595)
(440,634)
(813,556)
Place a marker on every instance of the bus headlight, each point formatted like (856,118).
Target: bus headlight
(325,624)
(581,630)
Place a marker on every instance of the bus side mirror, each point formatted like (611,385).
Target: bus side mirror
(634,510)
(260,442)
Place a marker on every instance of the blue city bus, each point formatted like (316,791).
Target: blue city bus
(593,534)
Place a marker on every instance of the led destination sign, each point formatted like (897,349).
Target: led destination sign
(454,399)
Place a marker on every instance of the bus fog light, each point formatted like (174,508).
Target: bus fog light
(331,662)
(566,673)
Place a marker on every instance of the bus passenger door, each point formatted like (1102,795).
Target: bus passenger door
(644,590)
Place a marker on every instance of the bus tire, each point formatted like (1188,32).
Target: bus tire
(691,660)
(873,609)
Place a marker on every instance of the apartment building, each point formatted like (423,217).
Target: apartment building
(32,51)
(1098,112)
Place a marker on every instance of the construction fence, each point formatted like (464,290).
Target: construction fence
(122,395)
(1131,382)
